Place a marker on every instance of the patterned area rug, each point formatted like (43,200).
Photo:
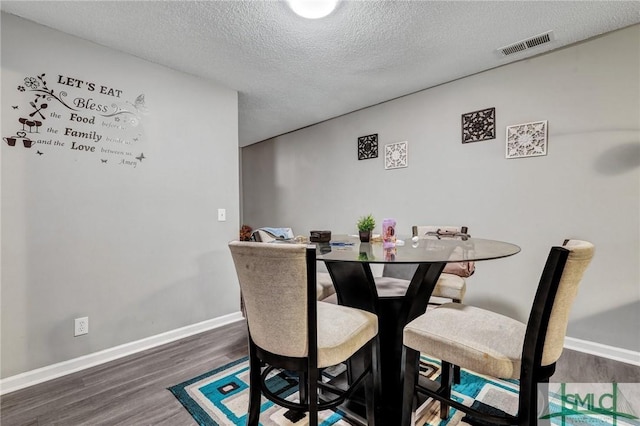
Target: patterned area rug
(220,397)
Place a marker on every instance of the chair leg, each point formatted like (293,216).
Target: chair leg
(375,370)
(445,384)
(411,367)
(456,374)
(303,378)
(370,392)
(312,396)
(536,409)
(540,397)
(255,393)
(303,387)
(456,368)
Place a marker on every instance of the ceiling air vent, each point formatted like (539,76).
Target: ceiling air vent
(526,44)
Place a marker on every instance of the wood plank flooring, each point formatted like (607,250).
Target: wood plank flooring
(128,391)
(133,390)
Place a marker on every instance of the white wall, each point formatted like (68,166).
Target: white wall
(137,250)
(588,186)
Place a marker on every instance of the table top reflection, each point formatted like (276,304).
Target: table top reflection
(346,248)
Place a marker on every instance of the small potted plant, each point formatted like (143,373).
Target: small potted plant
(365,226)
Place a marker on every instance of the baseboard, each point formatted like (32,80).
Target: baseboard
(604,351)
(33,377)
(30,378)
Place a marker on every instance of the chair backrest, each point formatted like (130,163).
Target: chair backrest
(422,230)
(406,271)
(273,281)
(580,255)
(547,324)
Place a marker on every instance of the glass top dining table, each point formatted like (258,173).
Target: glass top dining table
(346,248)
(348,262)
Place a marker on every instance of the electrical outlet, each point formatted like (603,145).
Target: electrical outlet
(222,215)
(81,326)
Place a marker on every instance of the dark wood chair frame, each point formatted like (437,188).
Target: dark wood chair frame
(307,367)
(532,372)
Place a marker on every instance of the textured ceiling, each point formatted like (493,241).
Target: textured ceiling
(292,72)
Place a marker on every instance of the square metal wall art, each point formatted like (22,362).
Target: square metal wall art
(396,155)
(527,140)
(479,125)
(368,147)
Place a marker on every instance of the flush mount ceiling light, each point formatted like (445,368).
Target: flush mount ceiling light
(313,9)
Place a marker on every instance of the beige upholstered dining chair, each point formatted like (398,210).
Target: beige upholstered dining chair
(495,345)
(450,286)
(289,329)
(325,286)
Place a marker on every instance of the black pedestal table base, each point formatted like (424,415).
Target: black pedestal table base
(355,287)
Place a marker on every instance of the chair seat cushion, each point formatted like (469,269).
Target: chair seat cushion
(342,331)
(469,337)
(391,287)
(324,285)
(449,286)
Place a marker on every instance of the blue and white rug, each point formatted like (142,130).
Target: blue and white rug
(220,397)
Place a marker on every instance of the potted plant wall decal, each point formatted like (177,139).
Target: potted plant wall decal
(365,226)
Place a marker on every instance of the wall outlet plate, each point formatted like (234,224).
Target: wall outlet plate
(81,326)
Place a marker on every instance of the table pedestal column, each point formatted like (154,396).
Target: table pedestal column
(355,287)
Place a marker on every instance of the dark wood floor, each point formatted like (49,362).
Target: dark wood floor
(133,390)
(128,391)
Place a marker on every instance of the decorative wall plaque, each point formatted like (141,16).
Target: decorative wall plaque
(396,155)
(479,125)
(368,147)
(527,140)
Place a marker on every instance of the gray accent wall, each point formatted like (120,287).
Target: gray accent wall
(139,251)
(587,187)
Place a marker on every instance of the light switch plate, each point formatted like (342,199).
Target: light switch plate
(222,215)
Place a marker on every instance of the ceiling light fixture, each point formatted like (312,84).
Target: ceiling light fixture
(313,9)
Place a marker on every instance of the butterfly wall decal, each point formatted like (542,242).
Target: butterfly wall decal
(139,104)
